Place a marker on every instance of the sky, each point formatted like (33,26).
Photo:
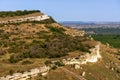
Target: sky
(69,10)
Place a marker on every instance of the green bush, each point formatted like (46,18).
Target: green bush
(54,67)
(15,39)
(11,72)
(5,36)
(14,59)
(26,62)
(55,29)
(59,64)
(48,63)
(1,31)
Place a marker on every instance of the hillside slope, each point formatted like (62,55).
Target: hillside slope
(21,40)
(32,40)
(107,68)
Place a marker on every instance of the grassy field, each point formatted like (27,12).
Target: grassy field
(113,40)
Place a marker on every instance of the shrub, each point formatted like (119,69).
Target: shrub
(59,64)
(5,36)
(55,29)
(1,31)
(11,72)
(14,58)
(54,67)
(47,63)
(2,52)
(14,39)
(26,62)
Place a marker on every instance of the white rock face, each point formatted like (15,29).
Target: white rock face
(26,75)
(77,66)
(83,74)
(94,56)
(32,18)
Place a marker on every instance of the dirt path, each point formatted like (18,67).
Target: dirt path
(74,74)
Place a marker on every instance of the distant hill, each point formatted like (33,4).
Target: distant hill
(95,27)
(76,23)
(86,23)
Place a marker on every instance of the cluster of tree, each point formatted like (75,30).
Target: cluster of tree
(113,40)
(103,30)
(4,14)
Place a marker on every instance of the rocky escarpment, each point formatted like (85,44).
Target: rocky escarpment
(93,56)
(31,18)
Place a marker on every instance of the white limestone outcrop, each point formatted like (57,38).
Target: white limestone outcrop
(93,56)
(27,74)
(32,18)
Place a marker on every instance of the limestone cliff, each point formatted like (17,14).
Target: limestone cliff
(93,56)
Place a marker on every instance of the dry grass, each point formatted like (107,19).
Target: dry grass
(59,74)
(6,67)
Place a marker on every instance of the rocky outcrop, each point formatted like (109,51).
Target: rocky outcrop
(32,18)
(93,56)
(27,74)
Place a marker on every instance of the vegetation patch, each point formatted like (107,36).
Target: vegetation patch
(26,62)
(57,45)
(55,29)
(4,14)
(113,40)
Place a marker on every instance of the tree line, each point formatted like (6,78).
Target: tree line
(4,14)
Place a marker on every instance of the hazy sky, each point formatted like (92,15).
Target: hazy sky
(69,10)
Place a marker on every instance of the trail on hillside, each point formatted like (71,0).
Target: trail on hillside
(74,74)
